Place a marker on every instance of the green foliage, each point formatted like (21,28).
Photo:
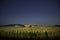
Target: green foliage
(36,32)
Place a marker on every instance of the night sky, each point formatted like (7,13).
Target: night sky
(41,12)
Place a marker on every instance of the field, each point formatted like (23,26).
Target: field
(30,33)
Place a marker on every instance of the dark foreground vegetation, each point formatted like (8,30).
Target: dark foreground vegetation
(33,33)
(29,39)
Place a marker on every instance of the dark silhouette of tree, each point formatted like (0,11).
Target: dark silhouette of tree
(57,25)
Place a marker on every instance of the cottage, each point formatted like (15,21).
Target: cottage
(27,25)
(17,25)
(34,25)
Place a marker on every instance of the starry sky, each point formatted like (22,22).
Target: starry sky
(41,12)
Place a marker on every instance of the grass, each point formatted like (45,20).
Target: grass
(31,32)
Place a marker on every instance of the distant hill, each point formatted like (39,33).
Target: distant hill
(11,25)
